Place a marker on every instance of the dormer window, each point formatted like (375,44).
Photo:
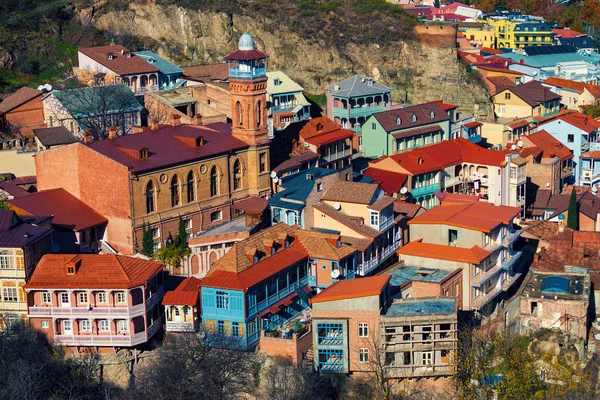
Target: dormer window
(273,250)
(110,56)
(398,121)
(414,118)
(431,114)
(255,259)
(420,161)
(143,154)
(199,141)
(127,54)
(319,127)
(70,269)
(339,243)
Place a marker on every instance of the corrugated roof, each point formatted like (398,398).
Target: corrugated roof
(93,271)
(185,294)
(402,118)
(417,248)
(390,182)
(69,212)
(120,63)
(357,85)
(155,60)
(18,231)
(253,204)
(353,288)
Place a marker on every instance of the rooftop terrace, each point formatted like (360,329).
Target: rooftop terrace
(422,306)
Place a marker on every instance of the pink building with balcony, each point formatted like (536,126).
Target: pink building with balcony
(96,303)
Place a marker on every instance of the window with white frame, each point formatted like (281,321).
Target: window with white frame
(86,325)
(64,298)
(188,224)
(363,355)
(427,358)
(123,325)
(120,297)
(83,297)
(363,329)
(10,295)
(45,324)
(104,327)
(374,218)
(102,297)
(155,233)
(7,259)
(46,298)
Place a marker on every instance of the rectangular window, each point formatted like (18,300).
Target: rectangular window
(222,300)
(7,260)
(86,326)
(374,218)
(20,259)
(102,297)
(64,298)
(570,138)
(45,325)
(46,298)
(10,295)
(363,355)
(104,327)
(216,216)
(329,334)
(427,356)
(373,125)
(363,329)
(120,297)
(155,233)
(83,297)
(221,327)
(330,360)
(262,162)
(123,325)
(235,329)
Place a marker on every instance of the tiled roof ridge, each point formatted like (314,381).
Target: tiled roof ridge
(118,261)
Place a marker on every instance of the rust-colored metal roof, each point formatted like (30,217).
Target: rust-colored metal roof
(390,182)
(120,63)
(353,288)
(253,204)
(246,55)
(20,97)
(93,271)
(186,293)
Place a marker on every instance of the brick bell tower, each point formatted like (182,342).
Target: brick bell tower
(248,87)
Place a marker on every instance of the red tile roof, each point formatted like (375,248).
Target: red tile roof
(18,98)
(449,198)
(93,271)
(567,33)
(580,121)
(169,145)
(353,288)
(518,124)
(119,64)
(186,293)
(417,248)
(569,84)
(550,146)
(321,130)
(591,154)
(473,124)
(253,204)
(390,182)
(69,212)
(476,216)
(246,55)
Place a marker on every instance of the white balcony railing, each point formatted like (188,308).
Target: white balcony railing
(101,340)
(369,265)
(83,312)
(337,155)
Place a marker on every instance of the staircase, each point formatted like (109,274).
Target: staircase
(307,361)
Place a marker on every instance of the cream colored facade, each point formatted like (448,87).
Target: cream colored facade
(13,299)
(509,105)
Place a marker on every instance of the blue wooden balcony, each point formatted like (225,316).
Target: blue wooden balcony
(425,190)
(268,302)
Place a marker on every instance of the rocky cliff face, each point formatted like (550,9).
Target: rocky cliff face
(424,69)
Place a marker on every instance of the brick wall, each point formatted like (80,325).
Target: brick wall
(293,349)
(540,175)
(567,315)
(214,96)
(30,114)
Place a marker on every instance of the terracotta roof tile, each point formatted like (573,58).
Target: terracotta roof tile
(353,288)
(185,294)
(550,146)
(581,121)
(473,124)
(389,182)
(69,212)
(94,271)
(417,248)
(354,223)
(458,198)
(518,124)
(119,64)
(388,119)
(351,192)
(20,97)
(409,210)
(382,203)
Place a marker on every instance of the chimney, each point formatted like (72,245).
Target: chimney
(175,119)
(112,132)
(522,62)
(197,119)
(88,137)
(154,125)
(137,128)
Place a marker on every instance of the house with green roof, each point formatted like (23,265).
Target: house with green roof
(93,109)
(286,100)
(168,73)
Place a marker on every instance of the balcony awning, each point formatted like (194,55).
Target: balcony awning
(275,308)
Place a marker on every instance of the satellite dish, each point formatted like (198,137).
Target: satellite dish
(547,184)
(40,88)
(335,273)
(594,189)
(521,144)
(273,174)
(48,87)
(337,206)
(404,190)
(275,179)
(513,147)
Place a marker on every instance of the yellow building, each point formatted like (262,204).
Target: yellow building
(481,38)
(528,100)
(515,34)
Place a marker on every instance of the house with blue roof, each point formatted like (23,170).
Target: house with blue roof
(168,73)
(94,109)
(292,204)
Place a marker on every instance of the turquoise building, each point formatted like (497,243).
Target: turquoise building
(397,130)
(352,101)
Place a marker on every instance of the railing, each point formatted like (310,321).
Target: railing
(451,181)
(474,138)
(483,300)
(510,237)
(283,108)
(412,371)
(423,190)
(386,224)
(173,326)
(101,340)
(331,366)
(513,257)
(486,275)
(276,297)
(83,312)
(155,298)
(244,74)
(590,179)
(337,155)
(548,114)
(154,327)
(359,111)
(145,89)
(368,266)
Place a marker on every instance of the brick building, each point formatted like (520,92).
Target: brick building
(96,303)
(22,112)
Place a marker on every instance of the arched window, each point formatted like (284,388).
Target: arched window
(258,113)
(191,189)
(175,191)
(150,197)
(237,175)
(214,183)
(238,110)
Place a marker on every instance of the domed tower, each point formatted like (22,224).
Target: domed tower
(248,87)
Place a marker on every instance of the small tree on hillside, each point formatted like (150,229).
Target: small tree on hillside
(147,242)
(572,218)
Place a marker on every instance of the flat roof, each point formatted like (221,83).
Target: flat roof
(422,306)
(407,273)
(174,97)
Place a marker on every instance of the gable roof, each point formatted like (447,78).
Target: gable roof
(532,93)
(93,271)
(185,294)
(580,87)
(351,192)
(578,120)
(353,288)
(119,64)
(390,182)
(321,130)
(477,216)
(409,210)
(588,204)
(548,144)
(165,147)
(163,65)
(20,97)
(357,85)
(17,231)
(69,212)
(417,248)
(354,223)
(286,84)
(389,119)
(54,136)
